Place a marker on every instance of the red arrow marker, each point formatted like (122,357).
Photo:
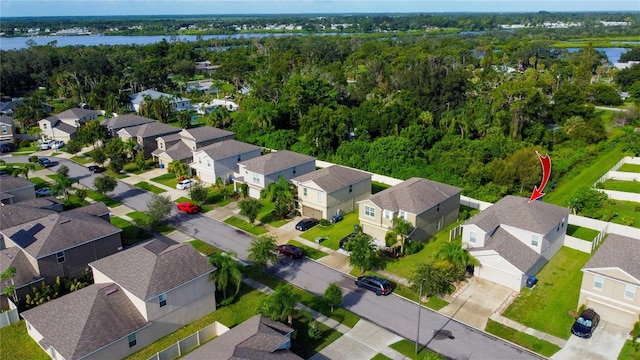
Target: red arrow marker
(546,172)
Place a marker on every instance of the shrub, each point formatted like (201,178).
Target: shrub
(33,158)
(324,222)
(599,185)
(412,247)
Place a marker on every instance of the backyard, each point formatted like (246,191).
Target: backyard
(621,185)
(630,168)
(17,344)
(582,232)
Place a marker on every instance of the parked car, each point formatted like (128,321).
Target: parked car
(307,224)
(376,284)
(95,169)
(57,144)
(45,191)
(290,251)
(6,147)
(185,184)
(46,144)
(336,218)
(44,162)
(189,208)
(585,324)
(345,240)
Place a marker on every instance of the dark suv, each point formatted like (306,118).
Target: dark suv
(44,162)
(378,285)
(306,224)
(585,324)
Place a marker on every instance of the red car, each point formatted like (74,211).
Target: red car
(189,208)
(290,251)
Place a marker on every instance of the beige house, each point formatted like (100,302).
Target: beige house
(64,126)
(181,146)
(15,189)
(220,160)
(6,128)
(331,190)
(514,239)
(611,281)
(427,205)
(146,134)
(140,295)
(261,171)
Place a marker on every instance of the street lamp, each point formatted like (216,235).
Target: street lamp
(419,308)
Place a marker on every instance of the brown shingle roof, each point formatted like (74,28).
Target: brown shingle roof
(513,250)
(204,133)
(25,272)
(124,121)
(16,214)
(154,268)
(535,216)
(276,161)
(76,113)
(227,148)
(333,178)
(617,251)
(8,183)
(85,320)
(415,195)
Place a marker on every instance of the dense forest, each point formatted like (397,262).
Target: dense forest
(465,109)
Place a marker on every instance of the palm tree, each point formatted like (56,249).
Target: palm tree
(227,272)
(401,231)
(23,170)
(457,257)
(281,303)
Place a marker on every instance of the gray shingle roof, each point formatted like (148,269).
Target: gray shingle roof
(617,251)
(276,161)
(154,268)
(8,183)
(535,216)
(25,272)
(177,151)
(153,129)
(333,178)
(85,320)
(124,121)
(60,231)
(415,195)
(42,202)
(204,133)
(95,209)
(6,120)
(512,250)
(65,128)
(170,137)
(227,148)
(138,98)
(76,113)
(254,339)
(15,214)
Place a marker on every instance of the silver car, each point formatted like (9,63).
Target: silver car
(185,184)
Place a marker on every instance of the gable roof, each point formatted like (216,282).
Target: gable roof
(152,129)
(14,182)
(86,320)
(15,214)
(76,113)
(617,251)
(138,98)
(227,148)
(96,209)
(205,133)
(153,268)
(59,231)
(513,250)
(333,178)
(516,211)
(45,202)
(25,272)
(6,120)
(177,151)
(414,195)
(276,161)
(170,137)
(127,120)
(256,338)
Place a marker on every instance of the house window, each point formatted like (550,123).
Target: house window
(304,192)
(534,240)
(387,214)
(438,207)
(472,237)
(256,178)
(319,196)
(4,129)
(162,300)
(60,256)
(402,214)
(199,160)
(629,292)
(162,146)
(208,163)
(294,169)
(369,211)
(350,188)
(598,282)
(132,340)
(238,158)
(44,126)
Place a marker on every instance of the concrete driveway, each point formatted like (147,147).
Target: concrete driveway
(605,344)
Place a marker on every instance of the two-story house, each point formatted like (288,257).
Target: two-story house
(146,134)
(514,238)
(64,126)
(259,172)
(427,205)
(332,190)
(15,189)
(124,121)
(6,129)
(611,281)
(181,146)
(177,103)
(220,160)
(140,295)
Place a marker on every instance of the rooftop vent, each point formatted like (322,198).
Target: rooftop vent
(111,291)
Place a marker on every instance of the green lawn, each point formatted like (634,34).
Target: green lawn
(169,180)
(630,168)
(81,159)
(376,187)
(93,195)
(265,215)
(303,345)
(335,232)
(620,185)
(308,251)
(17,344)
(582,232)
(241,224)
(434,302)
(131,234)
(380,357)
(408,349)
(39,182)
(215,196)
(530,342)
(203,207)
(162,228)
(627,352)
(203,247)
(625,209)
(146,186)
(546,307)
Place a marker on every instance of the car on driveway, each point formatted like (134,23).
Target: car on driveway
(585,324)
(45,191)
(189,208)
(95,169)
(376,284)
(6,147)
(335,218)
(44,162)
(185,184)
(345,240)
(46,144)
(290,251)
(306,224)
(57,144)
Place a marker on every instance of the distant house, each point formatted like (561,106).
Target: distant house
(180,146)
(8,105)
(258,338)
(64,125)
(145,135)
(514,239)
(15,189)
(331,190)
(6,128)
(178,103)
(427,205)
(611,281)
(140,295)
(259,172)
(124,121)
(220,160)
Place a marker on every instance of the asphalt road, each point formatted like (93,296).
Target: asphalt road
(438,332)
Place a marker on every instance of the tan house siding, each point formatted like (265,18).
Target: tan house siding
(610,301)
(339,201)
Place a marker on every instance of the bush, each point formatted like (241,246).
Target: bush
(412,247)
(33,158)
(324,222)
(599,185)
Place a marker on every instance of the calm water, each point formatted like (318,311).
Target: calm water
(613,54)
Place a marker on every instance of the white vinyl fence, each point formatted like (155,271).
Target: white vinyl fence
(191,342)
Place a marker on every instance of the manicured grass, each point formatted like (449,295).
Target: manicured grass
(582,232)
(628,352)
(162,228)
(203,208)
(215,196)
(169,180)
(39,182)
(434,302)
(546,307)
(265,215)
(376,187)
(620,185)
(203,247)
(630,168)
(81,159)
(131,234)
(380,357)
(91,194)
(530,342)
(335,232)
(408,349)
(241,224)
(303,345)
(308,251)
(625,209)
(17,344)
(74,202)
(146,186)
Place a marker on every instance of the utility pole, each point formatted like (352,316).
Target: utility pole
(419,308)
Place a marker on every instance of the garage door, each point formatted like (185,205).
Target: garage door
(254,193)
(613,315)
(499,276)
(310,212)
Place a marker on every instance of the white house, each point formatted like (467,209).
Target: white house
(220,160)
(178,103)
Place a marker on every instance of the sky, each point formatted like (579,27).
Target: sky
(13,8)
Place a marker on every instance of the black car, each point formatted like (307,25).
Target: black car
(585,324)
(345,240)
(378,285)
(44,162)
(307,224)
(5,147)
(95,169)
(290,251)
